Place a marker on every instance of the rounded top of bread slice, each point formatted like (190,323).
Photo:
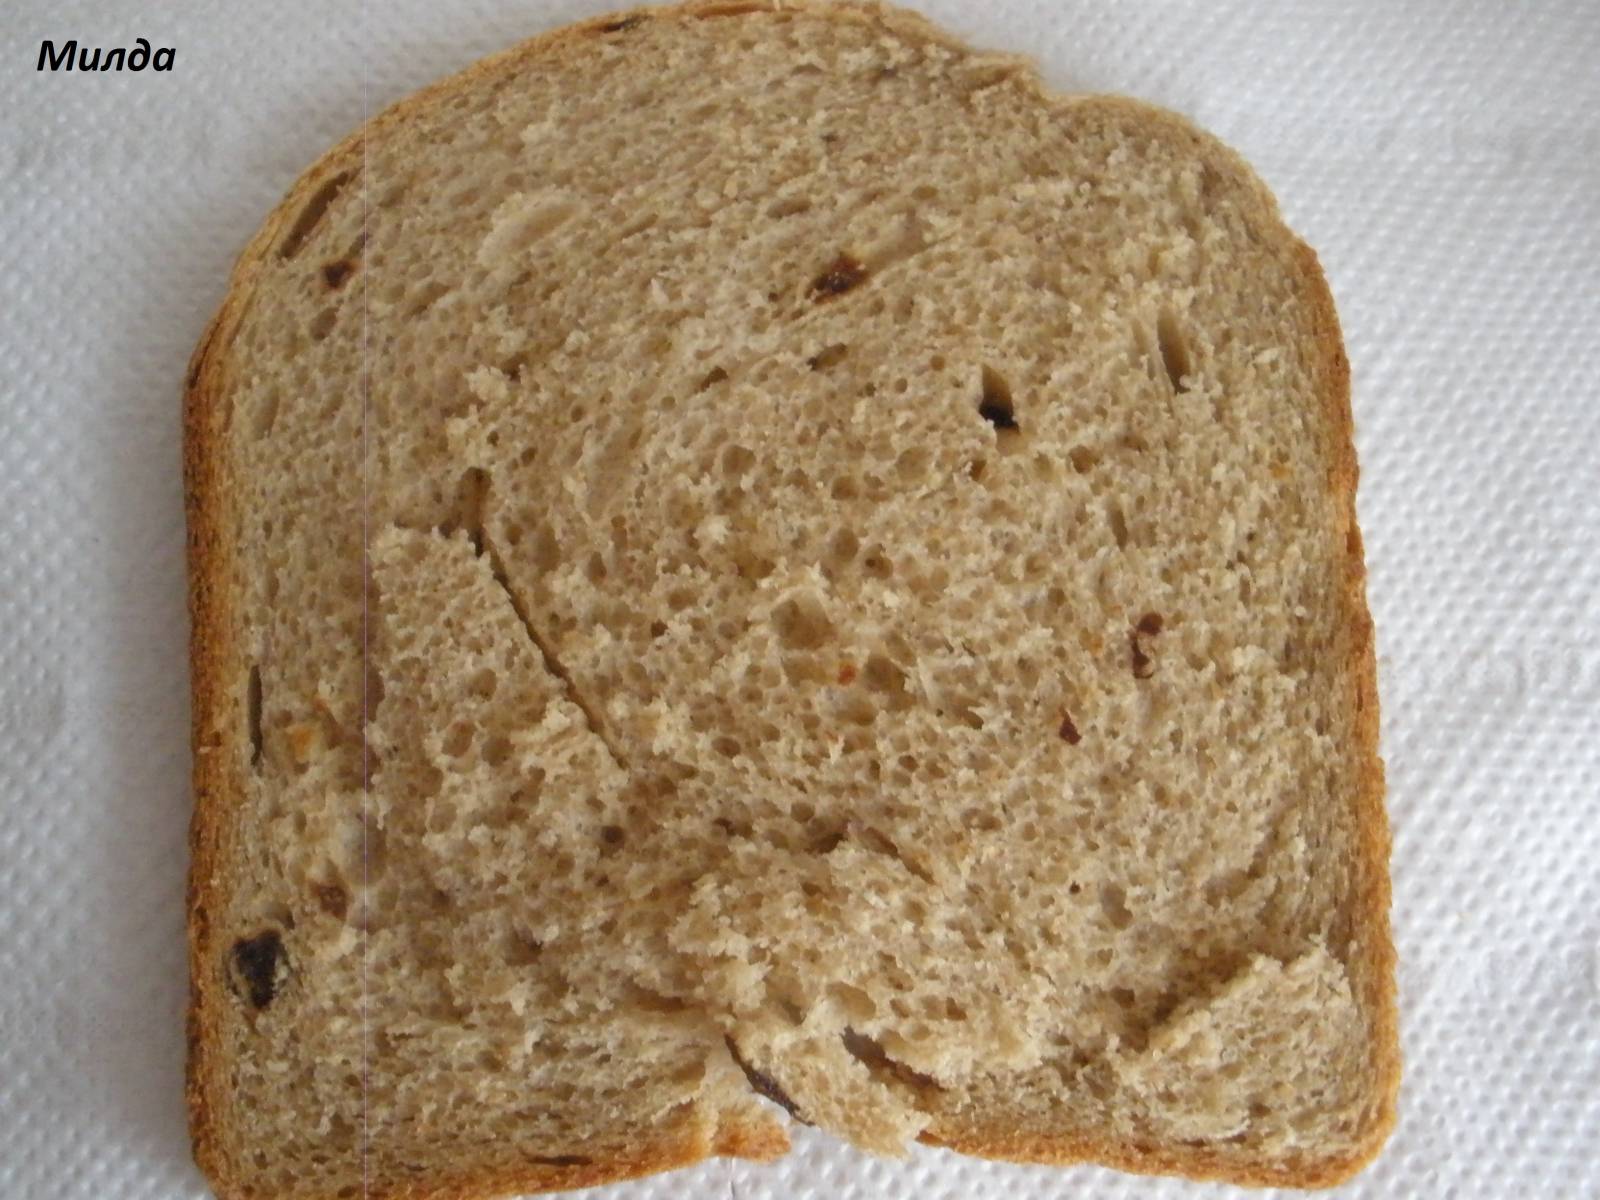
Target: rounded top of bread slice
(748,548)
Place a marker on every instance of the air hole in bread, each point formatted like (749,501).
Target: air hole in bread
(394,193)
(801,623)
(511,367)
(311,215)
(1083,459)
(252,707)
(441,818)
(994,402)
(496,749)
(522,949)
(713,377)
(637,225)
(322,324)
(483,684)
(878,564)
(842,549)
(334,274)
(966,714)
(913,463)
(330,893)
(1113,902)
(265,414)
(881,843)
(1148,626)
(623,26)
(828,356)
(789,206)
(882,676)
(458,740)
(426,296)
(546,550)
(857,710)
(1117,522)
(1175,357)
(736,461)
(472,494)
(857,1004)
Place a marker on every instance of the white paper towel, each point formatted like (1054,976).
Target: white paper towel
(1445,162)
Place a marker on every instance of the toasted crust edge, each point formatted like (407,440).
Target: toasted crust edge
(211,648)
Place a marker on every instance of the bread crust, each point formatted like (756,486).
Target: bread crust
(213,655)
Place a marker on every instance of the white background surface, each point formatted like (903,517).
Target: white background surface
(1444,161)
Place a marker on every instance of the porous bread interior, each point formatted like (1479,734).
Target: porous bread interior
(822,567)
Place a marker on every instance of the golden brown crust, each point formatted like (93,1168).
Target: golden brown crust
(1372,965)
(751,1142)
(1153,1158)
(210,650)
(205,638)
(215,785)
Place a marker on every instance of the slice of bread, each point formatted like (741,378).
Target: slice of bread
(747,550)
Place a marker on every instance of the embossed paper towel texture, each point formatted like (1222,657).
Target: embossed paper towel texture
(1443,158)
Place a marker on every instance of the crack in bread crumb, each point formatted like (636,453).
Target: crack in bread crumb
(309,217)
(870,1054)
(764,1084)
(552,664)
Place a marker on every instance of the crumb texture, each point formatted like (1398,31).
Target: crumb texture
(772,557)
